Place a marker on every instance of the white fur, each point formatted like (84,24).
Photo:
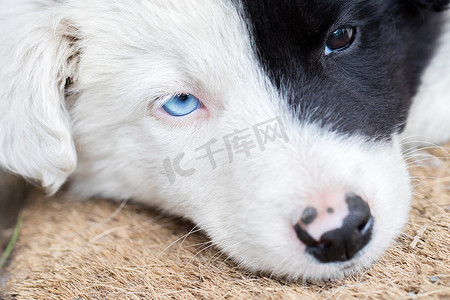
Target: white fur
(36,141)
(124,59)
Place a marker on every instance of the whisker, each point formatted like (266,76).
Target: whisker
(110,217)
(183,237)
(411,164)
(428,147)
(200,251)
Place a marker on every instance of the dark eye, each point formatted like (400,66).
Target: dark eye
(340,39)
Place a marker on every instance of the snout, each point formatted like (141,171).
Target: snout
(335,227)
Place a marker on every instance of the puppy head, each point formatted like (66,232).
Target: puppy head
(276,130)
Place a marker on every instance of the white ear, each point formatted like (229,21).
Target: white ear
(36,58)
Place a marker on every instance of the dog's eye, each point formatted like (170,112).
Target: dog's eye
(182,105)
(340,39)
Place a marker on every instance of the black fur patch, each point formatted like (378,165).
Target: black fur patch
(365,89)
(437,5)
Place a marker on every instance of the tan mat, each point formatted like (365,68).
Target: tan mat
(99,250)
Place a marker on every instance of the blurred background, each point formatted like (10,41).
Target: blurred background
(13,192)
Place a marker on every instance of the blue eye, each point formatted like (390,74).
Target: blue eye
(182,105)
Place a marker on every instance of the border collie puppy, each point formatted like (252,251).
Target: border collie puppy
(273,125)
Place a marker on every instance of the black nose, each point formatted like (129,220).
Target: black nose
(344,243)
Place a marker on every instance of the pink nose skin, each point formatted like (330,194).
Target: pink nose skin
(336,227)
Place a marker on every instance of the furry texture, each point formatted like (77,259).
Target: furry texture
(83,83)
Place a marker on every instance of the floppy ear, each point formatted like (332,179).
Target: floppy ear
(436,5)
(37,54)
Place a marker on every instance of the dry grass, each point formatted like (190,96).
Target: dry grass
(93,250)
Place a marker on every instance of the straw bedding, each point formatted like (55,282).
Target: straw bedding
(71,249)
